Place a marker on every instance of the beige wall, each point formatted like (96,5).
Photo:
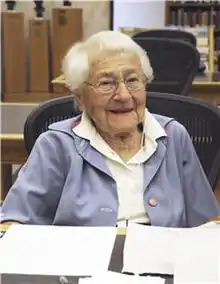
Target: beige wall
(95,18)
(95,13)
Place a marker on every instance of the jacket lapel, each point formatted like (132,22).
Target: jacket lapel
(92,156)
(152,166)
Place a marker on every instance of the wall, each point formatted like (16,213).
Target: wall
(95,18)
(144,14)
(95,13)
(138,13)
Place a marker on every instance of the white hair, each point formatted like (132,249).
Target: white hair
(77,62)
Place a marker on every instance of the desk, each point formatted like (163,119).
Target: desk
(121,231)
(12,153)
(116,265)
(207,88)
(12,142)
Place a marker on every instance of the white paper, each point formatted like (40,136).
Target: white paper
(166,250)
(118,278)
(85,281)
(198,257)
(56,250)
(211,225)
(150,249)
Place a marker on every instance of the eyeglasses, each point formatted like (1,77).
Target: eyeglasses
(109,85)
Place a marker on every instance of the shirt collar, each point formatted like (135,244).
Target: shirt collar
(85,128)
(152,128)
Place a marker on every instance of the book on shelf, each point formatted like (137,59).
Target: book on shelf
(217,50)
(195,13)
(217,55)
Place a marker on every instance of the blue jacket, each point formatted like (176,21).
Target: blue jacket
(67,182)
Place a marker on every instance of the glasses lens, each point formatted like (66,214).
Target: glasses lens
(134,83)
(107,86)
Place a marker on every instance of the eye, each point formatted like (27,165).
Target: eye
(106,82)
(132,79)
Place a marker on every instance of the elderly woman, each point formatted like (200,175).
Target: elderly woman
(116,162)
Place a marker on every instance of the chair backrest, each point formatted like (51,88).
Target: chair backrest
(167,33)
(45,114)
(175,64)
(202,122)
(172,34)
(201,119)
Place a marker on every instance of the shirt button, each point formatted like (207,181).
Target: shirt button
(152,202)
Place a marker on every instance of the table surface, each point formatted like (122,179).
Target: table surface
(210,78)
(115,265)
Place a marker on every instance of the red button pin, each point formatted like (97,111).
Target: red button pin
(153,202)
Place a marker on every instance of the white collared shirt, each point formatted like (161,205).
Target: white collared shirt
(129,176)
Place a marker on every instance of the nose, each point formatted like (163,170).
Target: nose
(122,93)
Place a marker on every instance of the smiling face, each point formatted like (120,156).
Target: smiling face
(115,95)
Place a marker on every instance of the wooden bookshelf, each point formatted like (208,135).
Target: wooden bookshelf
(197,14)
(191,13)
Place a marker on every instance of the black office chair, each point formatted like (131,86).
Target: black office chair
(167,33)
(202,121)
(175,64)
(172,34)
(45,114)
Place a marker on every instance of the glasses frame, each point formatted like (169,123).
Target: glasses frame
(96,86)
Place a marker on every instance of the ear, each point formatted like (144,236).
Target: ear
(79,102)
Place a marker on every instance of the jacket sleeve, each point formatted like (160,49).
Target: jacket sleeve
(34,197)
(200,202)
